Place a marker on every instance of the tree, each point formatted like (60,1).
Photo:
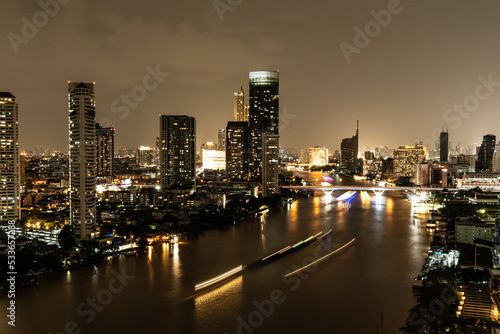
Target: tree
(67,238)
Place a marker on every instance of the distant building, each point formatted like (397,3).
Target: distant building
(423,173)
(486,155)
(270,170)
(105,152)
(406,159)
(484,180)
(467,232)
(443,146)
(349,153)
(264,115)
(388,167)
(178,152)
(237,150)
(213,159)
(240,110)
(146,156)
(318,156)
(82,159)
(221,136)
(10,207)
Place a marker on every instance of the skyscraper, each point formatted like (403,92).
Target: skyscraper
(221,139)
(349,153)
(105,152)
(486,154)
(264,115)
(406,159)
(177,152)
(270,163)
(237,150)
(10,207)
(240,110)
(82,158)
(443,146)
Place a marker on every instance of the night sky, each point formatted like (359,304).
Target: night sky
(426,59)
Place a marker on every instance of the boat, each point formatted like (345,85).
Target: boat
(130,253)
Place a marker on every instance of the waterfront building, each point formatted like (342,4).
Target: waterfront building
(264,115)
(10,207)
(423,172)
(105,152)
(406,159)
(270,170)
(237,150)
(82,158)
(178,152)
(318,156)
(349,153)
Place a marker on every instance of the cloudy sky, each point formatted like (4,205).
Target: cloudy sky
(403,80)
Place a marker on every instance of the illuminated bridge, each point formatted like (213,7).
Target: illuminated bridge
(377,190)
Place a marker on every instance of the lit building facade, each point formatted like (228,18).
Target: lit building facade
(177,151)
(105,152)
(237,150)
(318,156)
(10,207)
(270,170)
(213,159)
(240,110)
(146,156)
(406,159)
(264,115)
(82,159)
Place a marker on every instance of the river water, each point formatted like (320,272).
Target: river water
(365,286)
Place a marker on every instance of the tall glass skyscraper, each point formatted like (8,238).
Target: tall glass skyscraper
(82,158)
(263,115)
(240,110)
(443,146)
(105,153)
(10,207)
(237,152)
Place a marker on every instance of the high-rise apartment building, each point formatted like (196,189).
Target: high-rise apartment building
(264,115)
(443,146)
(270,163)
(82,158)
(105,152)
(349,153)
(177,152)
(237,150)
(486,155)
(318,156)
(10,207)
(146,156)
(406,159)
(240,109)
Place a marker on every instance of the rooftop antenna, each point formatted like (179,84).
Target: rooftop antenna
(357,127)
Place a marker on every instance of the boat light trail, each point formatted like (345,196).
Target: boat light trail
(218,278)
(321,259)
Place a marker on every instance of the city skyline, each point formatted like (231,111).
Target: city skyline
(405,71)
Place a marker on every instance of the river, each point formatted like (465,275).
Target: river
(365,286)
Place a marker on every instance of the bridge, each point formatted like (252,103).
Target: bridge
(377,190)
